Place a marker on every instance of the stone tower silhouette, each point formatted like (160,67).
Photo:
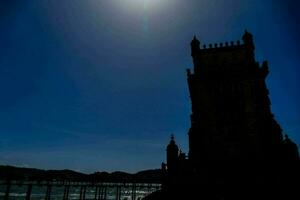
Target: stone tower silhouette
(236,147)
(231,117)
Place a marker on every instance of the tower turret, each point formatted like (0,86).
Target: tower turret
(195,46)
(249,44)
(248,39)
(172,155)
(290,150)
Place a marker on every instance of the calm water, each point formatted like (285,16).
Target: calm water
(39,192)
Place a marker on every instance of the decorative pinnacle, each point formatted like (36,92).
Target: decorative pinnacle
(172,137)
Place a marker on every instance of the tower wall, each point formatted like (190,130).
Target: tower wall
(231,117)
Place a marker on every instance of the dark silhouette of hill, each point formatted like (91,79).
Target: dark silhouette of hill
(21,173)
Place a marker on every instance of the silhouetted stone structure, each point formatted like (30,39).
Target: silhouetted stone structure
(236,147)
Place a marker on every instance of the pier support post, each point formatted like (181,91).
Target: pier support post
(105,193)
(118,193)
(66,192)
(100,190)
(28,193)
(8,184)
(96,192)
(48,192)
(101,193)
(82,192)
(133,192)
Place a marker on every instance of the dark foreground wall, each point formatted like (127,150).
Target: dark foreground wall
(235,181)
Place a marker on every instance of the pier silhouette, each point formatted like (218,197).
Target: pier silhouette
(100,190)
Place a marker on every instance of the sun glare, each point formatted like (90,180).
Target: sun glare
(144,3)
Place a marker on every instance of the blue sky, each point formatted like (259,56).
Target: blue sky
(95,85)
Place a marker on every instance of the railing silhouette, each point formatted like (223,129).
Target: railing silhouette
(100,190)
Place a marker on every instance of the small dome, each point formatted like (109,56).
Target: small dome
(172,144)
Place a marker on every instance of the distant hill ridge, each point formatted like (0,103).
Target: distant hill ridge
(20,173)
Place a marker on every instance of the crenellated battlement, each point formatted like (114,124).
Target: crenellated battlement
(225,54)
(247,44)
(225,45)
